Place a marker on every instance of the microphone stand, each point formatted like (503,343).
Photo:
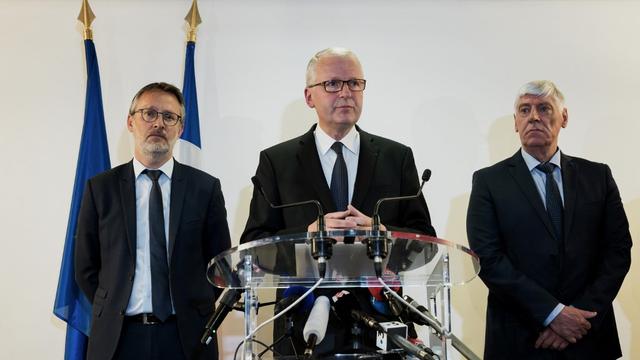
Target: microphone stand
(378,244)
(321,246)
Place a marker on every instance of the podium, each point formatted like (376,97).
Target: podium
(412,260)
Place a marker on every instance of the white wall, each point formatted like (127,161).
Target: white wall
(441,78)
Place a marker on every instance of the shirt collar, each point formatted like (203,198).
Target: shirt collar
(351,141)
(166,168)
(533,162)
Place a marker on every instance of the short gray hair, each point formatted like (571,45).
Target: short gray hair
(332,51)
(544,88)
(159,86)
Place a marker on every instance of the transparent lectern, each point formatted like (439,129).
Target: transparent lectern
(412,260)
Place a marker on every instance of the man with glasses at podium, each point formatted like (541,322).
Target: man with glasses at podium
(337,163)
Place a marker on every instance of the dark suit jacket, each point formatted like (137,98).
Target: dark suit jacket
(291,172)
(529,271)
(105,252)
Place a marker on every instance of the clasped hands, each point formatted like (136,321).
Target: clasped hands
(567,328)
(350,219)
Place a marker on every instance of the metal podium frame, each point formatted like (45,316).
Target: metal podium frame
(413,260)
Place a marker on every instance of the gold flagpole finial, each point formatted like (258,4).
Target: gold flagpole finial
(193,20)
(86,17)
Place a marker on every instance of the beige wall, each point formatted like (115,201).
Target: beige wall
(442,76)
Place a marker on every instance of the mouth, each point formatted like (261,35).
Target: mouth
(535,130)
(156,136)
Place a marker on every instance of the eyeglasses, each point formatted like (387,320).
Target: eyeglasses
(334,86)
(150,115)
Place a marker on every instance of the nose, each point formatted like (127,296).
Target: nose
(158,122)
(345,91)
(535,115)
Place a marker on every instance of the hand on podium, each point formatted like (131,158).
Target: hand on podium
(349,219)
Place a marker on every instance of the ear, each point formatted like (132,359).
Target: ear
(565,117)
(181,129)
(515,123)
(130,123)
(308,98)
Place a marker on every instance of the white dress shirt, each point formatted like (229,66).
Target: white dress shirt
(350,152)
(140,299)
(540,178)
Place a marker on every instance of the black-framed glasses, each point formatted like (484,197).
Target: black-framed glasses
(150,115)
(335,85)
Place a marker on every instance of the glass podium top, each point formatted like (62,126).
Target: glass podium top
(283,261)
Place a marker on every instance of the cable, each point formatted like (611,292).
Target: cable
(235,353)
(285,310)
(273,318)
(435,324)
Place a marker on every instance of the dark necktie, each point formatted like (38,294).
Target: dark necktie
(339,179)
(160,293)
(552,198)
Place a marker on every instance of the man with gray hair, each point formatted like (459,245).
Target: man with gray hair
(340,165)
(553,241)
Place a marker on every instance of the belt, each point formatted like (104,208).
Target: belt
(147,319)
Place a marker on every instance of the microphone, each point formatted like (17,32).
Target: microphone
(430,320)
(316,326)
(412,349)
(321,247)
(411,316)
(228,300)
(366,319)
(395,307)
(256,182)
(377,246)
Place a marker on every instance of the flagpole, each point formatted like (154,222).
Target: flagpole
(189,145)
(71,305)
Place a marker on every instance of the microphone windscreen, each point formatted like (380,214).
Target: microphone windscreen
(426,175)
(318,320)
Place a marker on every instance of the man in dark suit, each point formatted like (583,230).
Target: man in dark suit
(553,241)
(146,232)
(338,164)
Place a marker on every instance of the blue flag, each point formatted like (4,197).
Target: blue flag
(189,145)
(71,304)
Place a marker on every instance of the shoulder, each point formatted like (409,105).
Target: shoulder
(500,169)
(113,174)
(291,146)
(585,168)
(581,162)
(382,142)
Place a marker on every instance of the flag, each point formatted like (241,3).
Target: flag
(189,144)
(71,305)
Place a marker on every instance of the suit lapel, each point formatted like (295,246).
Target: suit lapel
(310,163)
(128,201)
(366,168)
(178,188)
(522,176)
(569,186)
